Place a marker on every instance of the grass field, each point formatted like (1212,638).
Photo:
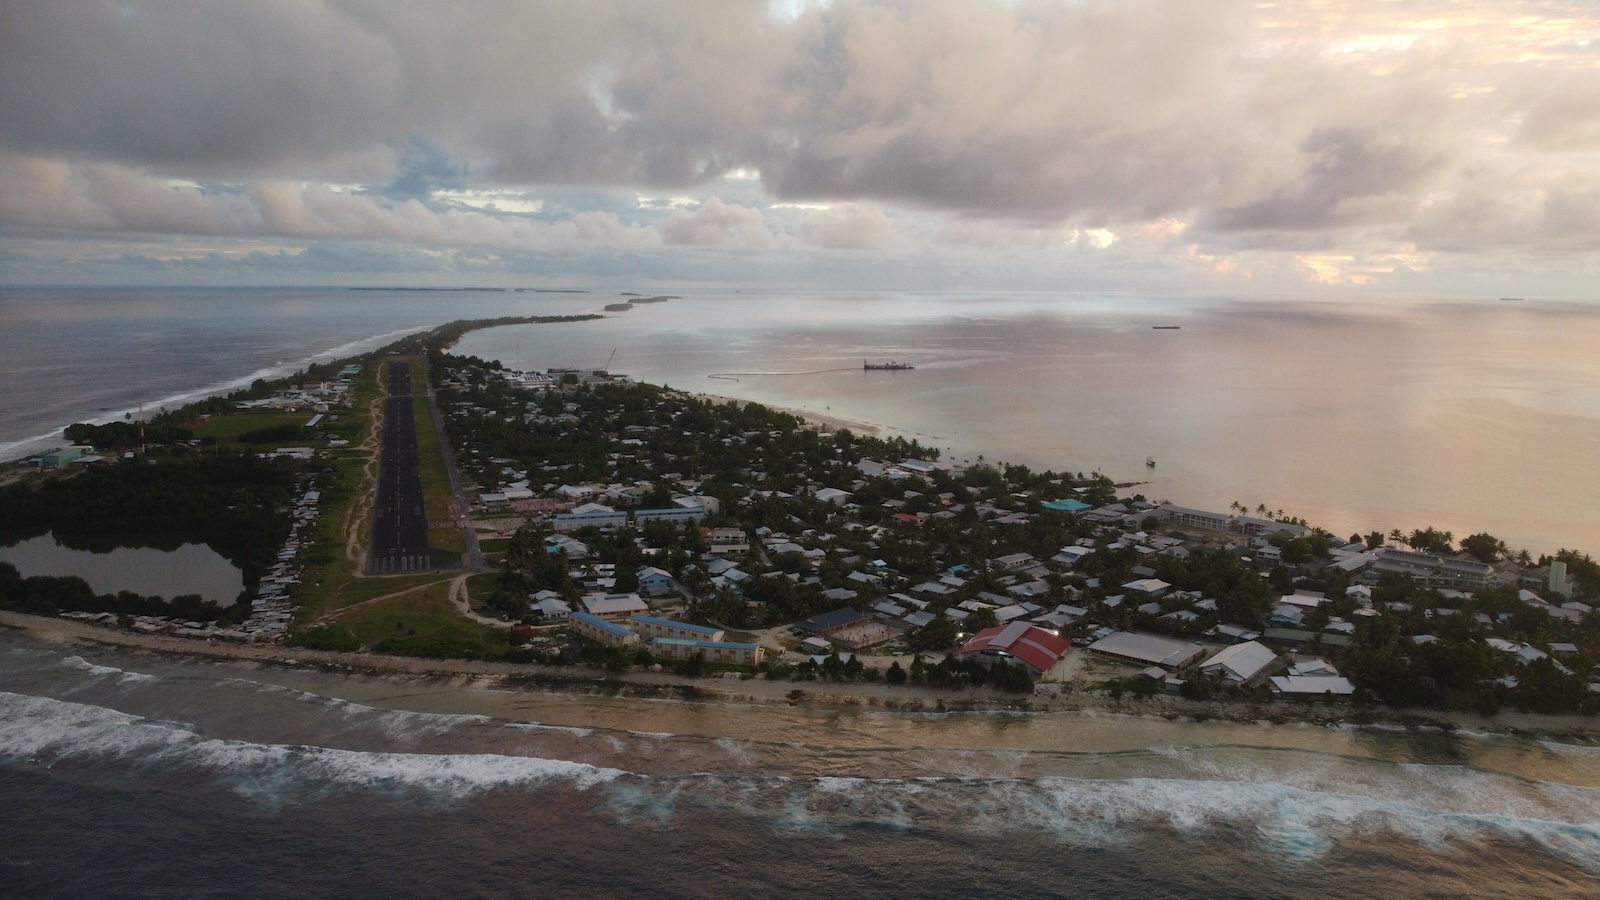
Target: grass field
(436,495)
(226,427)
(423,623)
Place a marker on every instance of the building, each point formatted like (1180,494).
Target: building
(654,581)
(551,608)
(653,627)
(591,515)
(1153,588)
(672,514)
(1068,505)
(1430,570)
(1017,642)
(59,456)
(1245,663)
(1192,518)
(1307,686)
(614,606)
(727,653)
(597,629)
(1012,561)
(827,623)
(833,495)
(1148,650)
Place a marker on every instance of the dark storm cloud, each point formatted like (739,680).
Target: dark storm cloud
(1348,176)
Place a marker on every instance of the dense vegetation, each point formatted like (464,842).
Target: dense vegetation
(232,503)
(46,595)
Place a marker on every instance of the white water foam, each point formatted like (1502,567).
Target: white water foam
(78,662)
(1296,805)
(56,731)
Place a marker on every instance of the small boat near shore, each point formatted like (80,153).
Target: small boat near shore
(890,366)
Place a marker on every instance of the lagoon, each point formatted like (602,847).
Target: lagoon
(189,569)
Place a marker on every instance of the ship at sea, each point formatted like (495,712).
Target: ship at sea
(890,366)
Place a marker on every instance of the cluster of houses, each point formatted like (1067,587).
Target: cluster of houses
(270,610)
(313,398)
(1244,664)
(1020,598)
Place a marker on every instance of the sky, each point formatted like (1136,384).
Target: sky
(1322,148)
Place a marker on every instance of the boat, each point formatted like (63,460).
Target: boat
(890,366)
(1150,461)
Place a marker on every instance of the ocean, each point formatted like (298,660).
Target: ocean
(140,776)
(1357,416)
(130,775)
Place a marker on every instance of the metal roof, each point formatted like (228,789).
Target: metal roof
(1033,645)
(830,620)
(669,623)
(1146,648)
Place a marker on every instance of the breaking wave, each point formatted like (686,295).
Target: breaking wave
(57,732)
(1295,804)
(78,662)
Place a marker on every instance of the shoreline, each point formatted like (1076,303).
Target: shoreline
(633,686)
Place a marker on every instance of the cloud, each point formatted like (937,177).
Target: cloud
(1347,176)
(1303,128)
(717,224)
(850,227)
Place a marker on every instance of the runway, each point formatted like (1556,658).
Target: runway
(399,524)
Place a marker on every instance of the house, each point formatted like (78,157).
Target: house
(573,548)
(654,582)
(1304,599)
(1235,633)
(833,495)
(1153,588)
(1071,556)
(1012,561)
(551,608)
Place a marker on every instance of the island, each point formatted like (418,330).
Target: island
(582,530)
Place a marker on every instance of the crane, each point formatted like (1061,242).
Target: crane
(607,369)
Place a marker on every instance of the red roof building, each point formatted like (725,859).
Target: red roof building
(1020,641)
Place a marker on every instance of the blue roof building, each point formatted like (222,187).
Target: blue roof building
(597,629)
